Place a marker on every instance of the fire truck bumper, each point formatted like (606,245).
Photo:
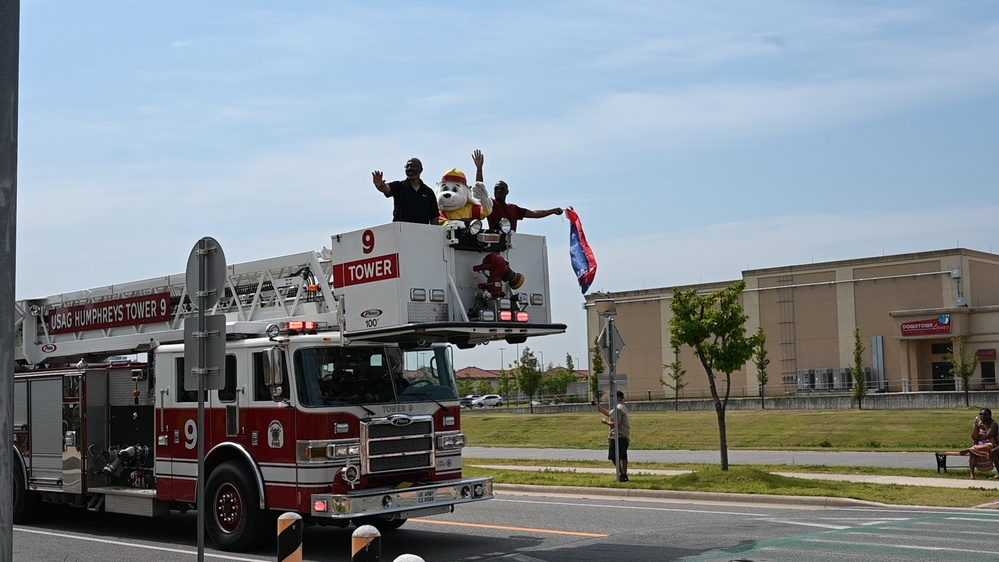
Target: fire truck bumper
(402,503)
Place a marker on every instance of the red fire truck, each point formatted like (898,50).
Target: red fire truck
(339,399)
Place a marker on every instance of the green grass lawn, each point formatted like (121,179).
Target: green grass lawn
(843,430)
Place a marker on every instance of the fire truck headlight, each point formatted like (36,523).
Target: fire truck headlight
(354,451)
(341,506)
(459,440)
(351,473)
(475,227)
(272,331)
(480,490)
(505,225)
(386,502)
(466,492)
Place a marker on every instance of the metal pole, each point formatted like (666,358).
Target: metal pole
(202,352)
(10,14)
(612,377)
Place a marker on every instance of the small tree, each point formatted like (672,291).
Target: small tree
(596,369)
(714,325)
(960,366)
(859,380)
(506,384)
(762,360)
(529,376)
(675,373)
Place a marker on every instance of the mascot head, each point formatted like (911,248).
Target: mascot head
(452,191)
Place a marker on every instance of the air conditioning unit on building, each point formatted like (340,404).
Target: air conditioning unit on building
(823,379)
(806,380)
(844,379)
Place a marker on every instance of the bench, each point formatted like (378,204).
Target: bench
(942,459)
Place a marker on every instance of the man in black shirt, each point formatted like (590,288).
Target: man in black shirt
(413,200)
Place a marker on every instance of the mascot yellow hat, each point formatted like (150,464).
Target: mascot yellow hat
(455,175)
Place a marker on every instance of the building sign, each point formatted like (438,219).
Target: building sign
(929,327)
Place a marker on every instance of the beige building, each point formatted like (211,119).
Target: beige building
(908,308)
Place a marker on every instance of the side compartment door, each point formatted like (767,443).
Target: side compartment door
(45,430)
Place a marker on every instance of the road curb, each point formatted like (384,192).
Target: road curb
(632,493)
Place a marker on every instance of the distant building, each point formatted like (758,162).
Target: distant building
(908,308)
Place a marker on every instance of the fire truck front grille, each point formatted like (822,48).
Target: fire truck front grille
(421,444)
(398,443)
(392,464)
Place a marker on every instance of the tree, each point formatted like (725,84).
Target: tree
(714,325)
(960,366)
(529,375)
(762,360)
(506,384)
(859,380)
(560,381)
(596,369)
(483,387)
(675,373)
(465,387)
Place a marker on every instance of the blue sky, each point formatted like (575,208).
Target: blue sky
(695,139)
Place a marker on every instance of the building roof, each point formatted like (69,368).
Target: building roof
(475,373)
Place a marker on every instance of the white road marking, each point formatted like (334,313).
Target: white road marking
(226,556)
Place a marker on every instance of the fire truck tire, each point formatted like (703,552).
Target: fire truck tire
(27,503)
(383,525)
(234,520)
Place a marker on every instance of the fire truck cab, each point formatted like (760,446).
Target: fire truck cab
(338,399)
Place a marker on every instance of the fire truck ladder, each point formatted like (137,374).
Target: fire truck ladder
(256,293)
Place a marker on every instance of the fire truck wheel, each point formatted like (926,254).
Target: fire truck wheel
(27,504)
(383,525)
(233,521)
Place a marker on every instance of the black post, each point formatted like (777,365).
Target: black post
(10,16)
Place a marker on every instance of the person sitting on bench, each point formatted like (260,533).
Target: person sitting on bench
(984,453)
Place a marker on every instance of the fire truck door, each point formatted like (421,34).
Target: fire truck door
(45,430)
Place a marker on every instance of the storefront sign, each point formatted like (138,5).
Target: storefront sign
(929,327)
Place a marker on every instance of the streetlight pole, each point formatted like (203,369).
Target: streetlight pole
(502,364)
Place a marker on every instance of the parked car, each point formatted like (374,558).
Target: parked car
(487,400)
(466,401)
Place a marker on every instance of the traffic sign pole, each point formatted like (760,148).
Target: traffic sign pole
(612,344)
(204,349)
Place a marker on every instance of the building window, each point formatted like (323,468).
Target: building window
(941,348)
(989,372)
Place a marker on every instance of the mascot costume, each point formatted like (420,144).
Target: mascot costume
(459,203)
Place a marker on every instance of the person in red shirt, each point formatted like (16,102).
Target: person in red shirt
(513,213)
(502,209)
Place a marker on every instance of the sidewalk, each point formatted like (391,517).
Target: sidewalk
(736,457)
(965,483)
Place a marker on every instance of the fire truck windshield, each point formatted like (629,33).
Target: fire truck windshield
(341,376)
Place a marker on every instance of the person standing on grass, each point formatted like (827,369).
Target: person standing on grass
(620,419)
(985,438)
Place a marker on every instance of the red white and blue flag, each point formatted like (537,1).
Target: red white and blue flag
(583,262)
